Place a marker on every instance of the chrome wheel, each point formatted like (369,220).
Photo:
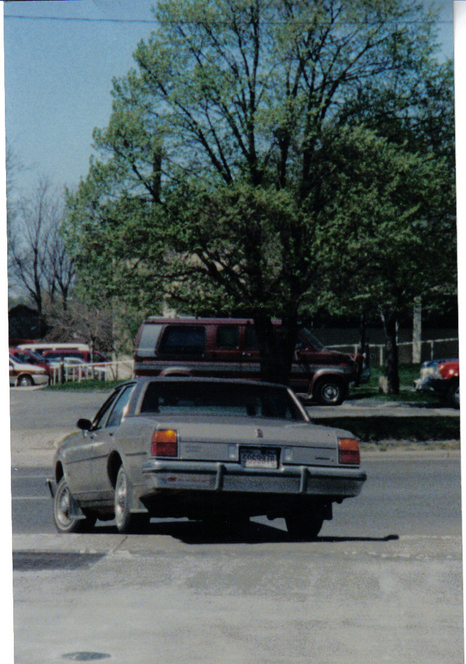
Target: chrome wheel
(122,513)
(125,521)
(66,512)
(329,392)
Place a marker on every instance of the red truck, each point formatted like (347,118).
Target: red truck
(228,348)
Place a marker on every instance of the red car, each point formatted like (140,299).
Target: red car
(29,357)
(443,378)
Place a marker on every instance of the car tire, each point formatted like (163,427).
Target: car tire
(25,381)
(329,391)
(125,521)
(64,510)
(454,396)
(303,527)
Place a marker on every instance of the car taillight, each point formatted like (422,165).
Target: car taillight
(164,443)
(348,451)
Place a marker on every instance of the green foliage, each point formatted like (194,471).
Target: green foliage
(273,158)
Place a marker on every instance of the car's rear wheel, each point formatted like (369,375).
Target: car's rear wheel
(65,510)
(125,520)
(303,527)
(329,391)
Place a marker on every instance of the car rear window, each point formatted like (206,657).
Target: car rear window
(178,397)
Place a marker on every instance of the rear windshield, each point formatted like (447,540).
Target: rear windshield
(220,399)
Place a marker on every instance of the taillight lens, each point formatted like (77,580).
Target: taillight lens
(348,451)
(164,443)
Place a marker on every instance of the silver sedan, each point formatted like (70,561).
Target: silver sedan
(208,449)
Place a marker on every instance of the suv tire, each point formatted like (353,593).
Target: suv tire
(329,391)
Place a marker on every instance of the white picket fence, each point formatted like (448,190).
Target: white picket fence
(123,369)
(104,371)
(432,349)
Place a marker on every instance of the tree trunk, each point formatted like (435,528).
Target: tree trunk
(363,345)
(276,350)
(417,330)
(391,352)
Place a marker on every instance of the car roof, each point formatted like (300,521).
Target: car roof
(202,321)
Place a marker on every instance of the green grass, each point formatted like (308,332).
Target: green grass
(86,386)
(377,428)
(370,430)
(408,395)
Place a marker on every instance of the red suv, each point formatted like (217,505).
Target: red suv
(228,348)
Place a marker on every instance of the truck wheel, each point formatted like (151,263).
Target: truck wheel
(303,527)
(329,391)
(454,396)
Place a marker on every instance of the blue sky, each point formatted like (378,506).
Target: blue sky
(58,76)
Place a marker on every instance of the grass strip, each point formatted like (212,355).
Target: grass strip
(376,428)
(85,386)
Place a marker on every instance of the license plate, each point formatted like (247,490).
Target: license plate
(256,457)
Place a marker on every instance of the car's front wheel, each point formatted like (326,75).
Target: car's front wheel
(329,391)
(125,521)
(25,381)
(303,527)
(65,512)
(454,395)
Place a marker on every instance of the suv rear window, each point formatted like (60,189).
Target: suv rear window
(183,340)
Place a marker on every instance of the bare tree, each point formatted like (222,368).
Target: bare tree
(38,262)
(82,322)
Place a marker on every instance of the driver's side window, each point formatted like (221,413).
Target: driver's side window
(101,417)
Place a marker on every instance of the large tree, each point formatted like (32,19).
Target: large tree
(234,138)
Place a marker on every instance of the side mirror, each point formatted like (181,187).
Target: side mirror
(84,424)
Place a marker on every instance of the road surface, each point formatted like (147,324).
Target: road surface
(383,582)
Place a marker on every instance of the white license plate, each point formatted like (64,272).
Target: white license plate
(258,458)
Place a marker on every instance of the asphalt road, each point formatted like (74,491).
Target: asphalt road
(383,582)
(414,496)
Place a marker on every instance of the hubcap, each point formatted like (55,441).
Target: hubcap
(64,504)
(120,498)
(330,392)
